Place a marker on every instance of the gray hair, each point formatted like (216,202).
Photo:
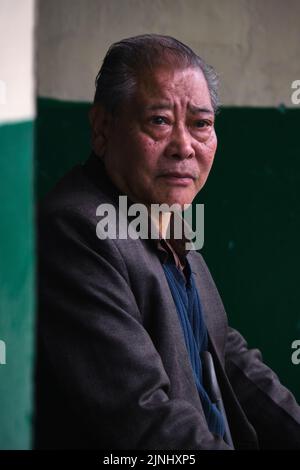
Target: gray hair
(129,58)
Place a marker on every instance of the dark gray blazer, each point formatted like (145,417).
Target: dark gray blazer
(112,368)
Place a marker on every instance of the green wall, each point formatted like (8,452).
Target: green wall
(252,230)
(251,215)
(62,139)
(16,284)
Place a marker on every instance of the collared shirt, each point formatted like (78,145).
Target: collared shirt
(174,249)
(188,305)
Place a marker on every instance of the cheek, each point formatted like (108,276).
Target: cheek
(147,152)
(211,143)
(206,152)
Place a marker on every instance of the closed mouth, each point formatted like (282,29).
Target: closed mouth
(175,174)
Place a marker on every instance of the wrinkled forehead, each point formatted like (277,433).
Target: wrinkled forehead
(168,85)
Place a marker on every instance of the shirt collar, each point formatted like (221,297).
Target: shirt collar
(172,247)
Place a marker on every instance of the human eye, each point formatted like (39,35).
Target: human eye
(158,120)
(202,123)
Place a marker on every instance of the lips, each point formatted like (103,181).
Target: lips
(176,178)
(177,174)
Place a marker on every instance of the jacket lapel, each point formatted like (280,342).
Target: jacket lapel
(243,433)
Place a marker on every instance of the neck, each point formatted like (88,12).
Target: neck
(161,222)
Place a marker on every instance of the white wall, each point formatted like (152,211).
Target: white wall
(254,44)
(16,60)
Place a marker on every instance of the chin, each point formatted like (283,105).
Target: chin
(170,196)
(170,201)
(178,198)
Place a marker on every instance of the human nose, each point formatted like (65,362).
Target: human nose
(180,144)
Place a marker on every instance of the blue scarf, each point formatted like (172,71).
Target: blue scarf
(188,306)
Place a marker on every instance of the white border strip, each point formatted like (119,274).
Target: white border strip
(17,87)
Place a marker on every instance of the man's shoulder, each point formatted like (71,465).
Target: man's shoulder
(78,192)
(69,215)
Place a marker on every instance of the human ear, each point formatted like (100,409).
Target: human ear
(100,121)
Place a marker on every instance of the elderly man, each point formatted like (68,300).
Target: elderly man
(125,323)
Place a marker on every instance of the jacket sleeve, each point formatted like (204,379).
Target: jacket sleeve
(101,358)
(269,406)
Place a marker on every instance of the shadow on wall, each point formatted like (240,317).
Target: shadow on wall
(252,222)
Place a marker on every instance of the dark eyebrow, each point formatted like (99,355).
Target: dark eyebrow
(166,105)
(157,106)
(196,110)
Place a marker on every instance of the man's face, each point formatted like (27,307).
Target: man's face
(161,146)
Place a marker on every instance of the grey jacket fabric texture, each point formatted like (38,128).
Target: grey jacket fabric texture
(112,369)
